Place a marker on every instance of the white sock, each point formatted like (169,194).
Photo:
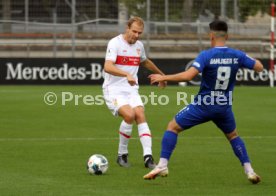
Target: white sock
(248,168)
(145,138)
(163,162)
(125,134)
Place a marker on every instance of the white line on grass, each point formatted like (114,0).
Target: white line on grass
(115,138)
(19,91)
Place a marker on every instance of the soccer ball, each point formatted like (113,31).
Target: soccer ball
(97,164)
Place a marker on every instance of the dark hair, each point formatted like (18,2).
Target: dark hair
(135,19)
(218,25)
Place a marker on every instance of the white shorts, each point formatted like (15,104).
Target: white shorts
(116,98)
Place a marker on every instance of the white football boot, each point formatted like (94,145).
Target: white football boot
(157,171)
(253,177)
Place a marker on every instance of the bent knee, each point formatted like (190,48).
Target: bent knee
(140,115)
(129,117)
(232,135)
(173,126)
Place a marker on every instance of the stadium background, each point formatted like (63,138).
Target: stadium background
(176,29)
(44,148)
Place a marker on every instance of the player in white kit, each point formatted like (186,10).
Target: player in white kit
(125,53)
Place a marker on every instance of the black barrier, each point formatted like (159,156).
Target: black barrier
(51,71)
(90,71)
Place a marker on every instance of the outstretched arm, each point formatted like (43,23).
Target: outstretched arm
(152,67)
(182,76)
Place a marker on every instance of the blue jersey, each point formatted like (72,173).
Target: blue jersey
(219,66)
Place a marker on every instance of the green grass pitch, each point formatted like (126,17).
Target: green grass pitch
(44,149)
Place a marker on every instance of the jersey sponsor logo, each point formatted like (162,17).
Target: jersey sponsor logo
(125,60)
(128,60)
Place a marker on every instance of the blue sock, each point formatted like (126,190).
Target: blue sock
(240,150)
(168,144)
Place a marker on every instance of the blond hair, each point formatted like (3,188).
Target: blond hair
(137,19)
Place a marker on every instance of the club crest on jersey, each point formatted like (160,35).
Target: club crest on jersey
(138,50)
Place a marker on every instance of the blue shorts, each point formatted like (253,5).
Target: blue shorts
(192,115)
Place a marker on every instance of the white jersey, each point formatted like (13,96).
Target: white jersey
(126,57)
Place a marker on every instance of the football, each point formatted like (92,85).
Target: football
(97,164)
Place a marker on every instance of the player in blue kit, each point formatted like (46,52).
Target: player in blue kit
(219,66)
